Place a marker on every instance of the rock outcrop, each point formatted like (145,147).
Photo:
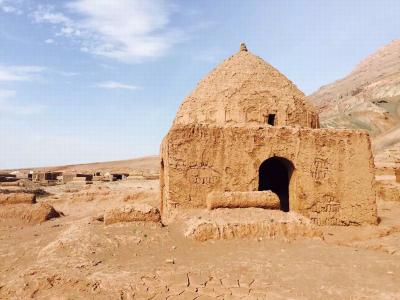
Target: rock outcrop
(368,98)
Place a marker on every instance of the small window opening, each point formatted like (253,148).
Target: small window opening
(271,119)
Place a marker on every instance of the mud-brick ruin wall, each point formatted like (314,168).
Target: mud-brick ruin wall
(332,182)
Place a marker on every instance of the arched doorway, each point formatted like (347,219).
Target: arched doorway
(274,175)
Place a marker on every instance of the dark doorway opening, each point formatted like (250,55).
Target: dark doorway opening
(274,175)
(271,119)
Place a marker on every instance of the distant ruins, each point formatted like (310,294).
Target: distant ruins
(54,176)
(246,128)
(7,177)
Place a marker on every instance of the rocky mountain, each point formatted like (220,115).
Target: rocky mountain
(368,98)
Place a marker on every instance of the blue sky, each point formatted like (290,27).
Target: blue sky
(98,80)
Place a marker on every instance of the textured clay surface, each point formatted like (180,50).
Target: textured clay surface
(77,257)
(249,223)
(262,199)
(17,198)
(132,213)
(331,182)
(29,213)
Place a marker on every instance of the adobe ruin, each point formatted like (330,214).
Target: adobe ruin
(247,128)
(7,177)
(44,176)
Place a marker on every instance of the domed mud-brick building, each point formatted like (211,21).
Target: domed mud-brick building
(247,128)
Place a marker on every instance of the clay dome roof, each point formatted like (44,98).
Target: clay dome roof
(244,89)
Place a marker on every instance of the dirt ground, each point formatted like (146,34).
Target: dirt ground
(76,256)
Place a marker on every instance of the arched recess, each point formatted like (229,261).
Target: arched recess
(275,175)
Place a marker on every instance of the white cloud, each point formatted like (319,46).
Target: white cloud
(116,85)
(106,66)
(125,30)
(10,6)
(8,101)
(8,9)
(30,73)
(49,41)
(19,73)
(46,14)
(9,105)
(67,74)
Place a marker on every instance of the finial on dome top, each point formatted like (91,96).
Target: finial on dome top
(243,47)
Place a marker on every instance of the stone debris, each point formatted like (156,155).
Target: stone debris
(132,213)
(262,199)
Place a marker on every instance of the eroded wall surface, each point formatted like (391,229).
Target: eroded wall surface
(332,182)
(244,89)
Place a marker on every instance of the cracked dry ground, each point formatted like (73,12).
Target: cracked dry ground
(78,257)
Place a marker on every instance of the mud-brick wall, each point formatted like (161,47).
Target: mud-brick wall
(332,182)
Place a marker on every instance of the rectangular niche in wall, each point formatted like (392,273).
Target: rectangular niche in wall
(271,119)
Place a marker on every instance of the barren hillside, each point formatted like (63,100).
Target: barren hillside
(368,98)
(149,164)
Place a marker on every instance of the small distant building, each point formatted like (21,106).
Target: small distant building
(45,176)
(119,176)
(65,178)
(52,176)
(98,176)
(38,176)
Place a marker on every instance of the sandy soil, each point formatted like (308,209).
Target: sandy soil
(78,257)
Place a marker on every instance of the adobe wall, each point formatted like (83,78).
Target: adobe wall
(244,89)
(253,109)
(332,184)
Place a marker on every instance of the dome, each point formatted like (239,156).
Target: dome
(244,89)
